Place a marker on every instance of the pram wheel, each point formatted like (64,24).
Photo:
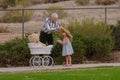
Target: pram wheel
(48,61)
(31,61)
(35,61)
(38,61)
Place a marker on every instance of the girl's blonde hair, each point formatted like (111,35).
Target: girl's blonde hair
(68,34)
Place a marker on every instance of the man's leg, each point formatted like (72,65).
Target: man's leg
(50,42)
(50,39)
(43,37)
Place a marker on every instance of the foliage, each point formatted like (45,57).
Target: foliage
(82,2)
(54,1)
(9,2)
(57,9)
(24,3)
(105,2)
(16,2)
(95,36)
(116,36)
(45,1)
(14,53)
(90,40)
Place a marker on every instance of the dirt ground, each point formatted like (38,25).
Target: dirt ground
(8,36)
(114,57)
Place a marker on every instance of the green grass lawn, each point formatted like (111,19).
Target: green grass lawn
(100,73)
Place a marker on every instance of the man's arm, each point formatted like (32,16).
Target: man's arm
(51,28)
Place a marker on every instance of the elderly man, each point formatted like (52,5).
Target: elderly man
(51,24)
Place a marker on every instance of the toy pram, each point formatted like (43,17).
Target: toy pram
(40,55)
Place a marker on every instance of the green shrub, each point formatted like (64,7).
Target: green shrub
(45,1)
(16,16)
(9,2)
(4,6)
(91,40)
(79,49)
(16,2)
(116,36)
(61,13)
(82,2)
(54,1)
(24,3)
(105,2)
(14,53)
(56,52)
(95,36)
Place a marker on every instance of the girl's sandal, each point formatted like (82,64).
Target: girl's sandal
(66,65)
(70,64)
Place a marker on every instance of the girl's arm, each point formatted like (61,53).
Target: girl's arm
(65,40)
(60,41)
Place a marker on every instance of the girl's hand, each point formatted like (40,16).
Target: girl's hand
(59,41)
(60,28)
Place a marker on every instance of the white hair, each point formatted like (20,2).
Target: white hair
(54,15)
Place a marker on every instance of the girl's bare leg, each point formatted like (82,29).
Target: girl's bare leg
(70,60)
(67,59)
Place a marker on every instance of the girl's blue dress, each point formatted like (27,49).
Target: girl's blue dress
(67,49)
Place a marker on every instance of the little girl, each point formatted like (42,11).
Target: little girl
(67,47)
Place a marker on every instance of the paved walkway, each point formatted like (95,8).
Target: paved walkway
(56,67)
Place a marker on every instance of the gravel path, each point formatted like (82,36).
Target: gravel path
(56,67)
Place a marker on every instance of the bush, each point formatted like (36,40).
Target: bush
(90,40)
(24,3)
(4,6)
(16,2)
(14,53)
(45,1)
(9,2)
(4,30)
(105,2)
(95,36)
(54,1)
(82,2)
(16,16)
(61,13)
(116,36)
